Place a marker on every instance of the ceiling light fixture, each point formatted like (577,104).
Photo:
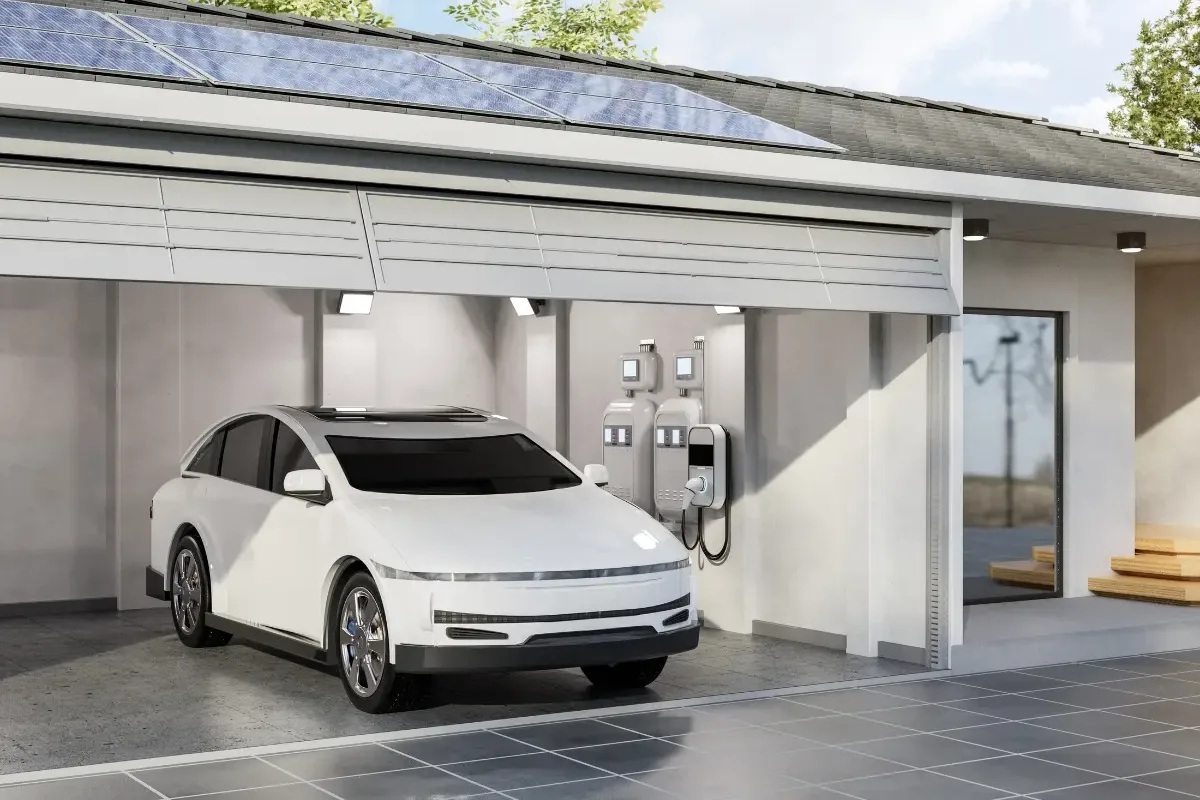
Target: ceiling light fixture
(975,230)
(1131,241)
(526,307)
(728,309)
(355,302)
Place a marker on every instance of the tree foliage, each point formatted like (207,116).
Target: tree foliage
(601,27)
(1160,88)
(360,12)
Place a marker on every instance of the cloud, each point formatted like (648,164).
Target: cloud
(1004,73)
(1090,114)
(879,44)
(1080,12)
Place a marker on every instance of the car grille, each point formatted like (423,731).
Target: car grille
(466,618)
(675,619)
(474,633)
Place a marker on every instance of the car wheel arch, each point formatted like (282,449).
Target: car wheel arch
(186,529)
(339,573)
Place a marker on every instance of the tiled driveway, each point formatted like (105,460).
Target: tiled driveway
(1126,729)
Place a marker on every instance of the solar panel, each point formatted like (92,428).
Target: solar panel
(738,126)
(351,82)
(56,18)
(559,80)
(296,48)
(87,52)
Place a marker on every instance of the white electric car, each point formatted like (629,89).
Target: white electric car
(400,544)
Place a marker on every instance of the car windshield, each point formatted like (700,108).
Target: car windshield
(510,464)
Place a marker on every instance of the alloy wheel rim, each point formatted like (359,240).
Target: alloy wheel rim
(187,592)
(362,642)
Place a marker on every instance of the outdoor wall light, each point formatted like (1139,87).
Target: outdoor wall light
(1131,241)
(728,309)
(975,230)
(526,307)
(355,302)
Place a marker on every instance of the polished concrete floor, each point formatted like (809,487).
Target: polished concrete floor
(96,688)
(1126,729)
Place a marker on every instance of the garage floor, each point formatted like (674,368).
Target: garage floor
(92,688)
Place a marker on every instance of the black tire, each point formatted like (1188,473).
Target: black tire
(191,596)
(392,691)
(630,675)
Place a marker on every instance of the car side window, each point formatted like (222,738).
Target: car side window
(290,455)
(208,458)
(241,458)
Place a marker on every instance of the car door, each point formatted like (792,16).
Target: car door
(237,505)
(291,550)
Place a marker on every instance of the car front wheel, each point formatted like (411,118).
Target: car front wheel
(361,638)
(630,675)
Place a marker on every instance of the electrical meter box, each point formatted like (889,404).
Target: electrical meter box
(689,370)
(639,371)
(628,438)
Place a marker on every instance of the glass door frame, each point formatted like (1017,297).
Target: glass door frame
(1060,319)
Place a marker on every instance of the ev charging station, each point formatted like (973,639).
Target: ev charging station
(628,429)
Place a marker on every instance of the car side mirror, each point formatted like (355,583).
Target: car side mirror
(306,484)
(597,474)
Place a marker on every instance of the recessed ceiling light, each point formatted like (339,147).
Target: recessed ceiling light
(526,307)
(1131,241)
(355,302)
(728,309)
(975,230)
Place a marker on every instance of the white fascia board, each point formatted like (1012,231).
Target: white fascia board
(66,99)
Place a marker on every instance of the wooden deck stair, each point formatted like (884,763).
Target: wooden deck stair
(1037,573)
(1165,567)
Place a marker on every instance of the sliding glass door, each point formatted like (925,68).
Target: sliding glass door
(1012,456)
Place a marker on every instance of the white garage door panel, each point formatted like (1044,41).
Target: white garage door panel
(205,230)
(84,260)
(509,247)
(432,277)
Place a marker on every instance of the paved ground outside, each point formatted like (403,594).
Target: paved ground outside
(94,688)
(1124,729)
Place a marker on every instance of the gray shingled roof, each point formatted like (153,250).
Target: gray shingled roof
(871,126)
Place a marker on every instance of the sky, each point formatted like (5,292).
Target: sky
(1052,58)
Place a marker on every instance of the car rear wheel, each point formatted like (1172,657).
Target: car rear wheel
(191,597)
(630,675)
(361,638)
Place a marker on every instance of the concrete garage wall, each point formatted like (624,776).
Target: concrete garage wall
(55,531)
(1094,287)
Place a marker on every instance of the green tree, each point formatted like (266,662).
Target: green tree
(601,27)
(360,12)
(1160,88)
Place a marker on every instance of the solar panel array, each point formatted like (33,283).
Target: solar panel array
(224,56)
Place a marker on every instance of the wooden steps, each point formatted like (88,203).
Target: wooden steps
(1044,553)
(1035,574)
(1165,567)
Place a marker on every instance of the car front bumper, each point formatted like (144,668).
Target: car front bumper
(156,585)
(560,651)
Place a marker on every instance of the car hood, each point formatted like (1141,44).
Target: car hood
(583,527)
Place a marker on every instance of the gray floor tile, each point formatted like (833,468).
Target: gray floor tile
(808,793)
(841,730)
(675,722)
(1102,725)
(1017,737)
(767,712)
(1109,695)
(933,691)
(1081,673)
(1013,707)
(344,761)
(1112,790)
(295,791)
(831,764)
(630,757)
(743,740)
(925,750)
(1008,681)
(1192,656)
(100,787)
(1115,759)
(1160,686)
(1186,781)
(524,772)
(1185,715)
(913,785)
(425,783)
(573,733)
(597,789)
(1184,743)
(852,701)
(458,747)
(1021,774)
(930,719)
(213,776)
(717,782)
(1145,665)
